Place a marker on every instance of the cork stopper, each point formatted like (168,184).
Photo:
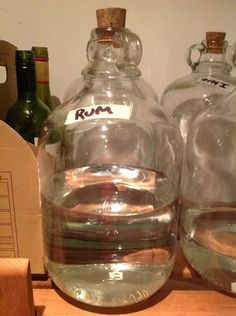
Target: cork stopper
(215,42)
(111,17)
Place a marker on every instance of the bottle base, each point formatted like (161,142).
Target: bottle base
(218,269)
(109,285)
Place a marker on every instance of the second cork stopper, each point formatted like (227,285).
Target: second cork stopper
(111,17)
(215,42)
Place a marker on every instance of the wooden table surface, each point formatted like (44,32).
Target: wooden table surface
(184,294)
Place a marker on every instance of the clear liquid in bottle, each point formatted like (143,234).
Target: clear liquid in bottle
(109,233)
(209,237)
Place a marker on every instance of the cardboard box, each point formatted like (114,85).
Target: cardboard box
(20,213)
(8,89)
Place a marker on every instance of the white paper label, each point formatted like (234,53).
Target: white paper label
(216,83)
(99,112)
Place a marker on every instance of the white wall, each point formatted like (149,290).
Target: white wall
(166,27)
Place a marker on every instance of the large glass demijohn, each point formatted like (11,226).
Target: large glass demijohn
(110,161)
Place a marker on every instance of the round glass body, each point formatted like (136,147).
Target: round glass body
(109,166)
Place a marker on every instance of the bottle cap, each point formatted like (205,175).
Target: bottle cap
(111,17)
(215,42)
(40,53)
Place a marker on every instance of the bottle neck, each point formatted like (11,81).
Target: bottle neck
(42,71)
(214,63)
(110,56)
(26,81)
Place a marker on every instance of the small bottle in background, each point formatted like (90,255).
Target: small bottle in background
(42,75)
(28,113)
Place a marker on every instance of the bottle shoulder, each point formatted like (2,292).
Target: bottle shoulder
(139,107)
(41,106)
(44,95)
(197,86)
(184,81)
(28,107)
(193,80)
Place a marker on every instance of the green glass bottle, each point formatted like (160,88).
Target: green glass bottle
(42,75)
(28,113)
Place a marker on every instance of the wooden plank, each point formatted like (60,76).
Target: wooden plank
(176,298)
(16,294)
(184,294)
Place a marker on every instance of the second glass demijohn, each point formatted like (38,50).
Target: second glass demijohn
(208,195)
(110,199)
(210,79)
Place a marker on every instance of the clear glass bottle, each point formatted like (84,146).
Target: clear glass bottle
(110,201)
(28,114)
(210,79)
(42,75)
(208,195)
(76,85)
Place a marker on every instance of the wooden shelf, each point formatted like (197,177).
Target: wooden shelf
(184,294)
